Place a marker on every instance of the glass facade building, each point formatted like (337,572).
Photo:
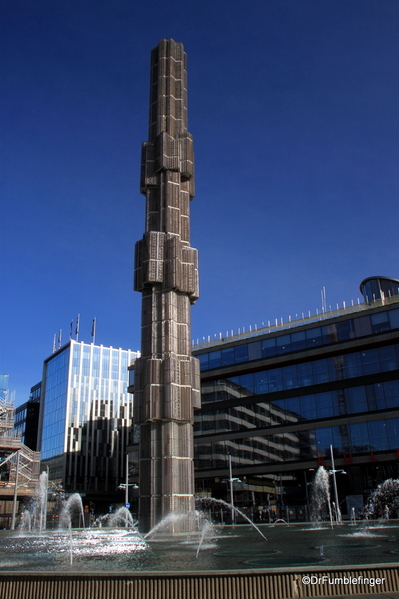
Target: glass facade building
(86,417)
(276,400)
(26,418)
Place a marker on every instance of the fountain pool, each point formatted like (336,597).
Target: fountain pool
(227,548)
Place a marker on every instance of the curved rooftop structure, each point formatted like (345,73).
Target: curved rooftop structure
(374,288)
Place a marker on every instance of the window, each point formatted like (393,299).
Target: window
(380,322)
(314,337)
(268,347)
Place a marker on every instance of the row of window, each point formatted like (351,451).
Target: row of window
(370,361)
(379,396)
(88,361)
(300,340)
(20,416)
(363,437)
(53,438)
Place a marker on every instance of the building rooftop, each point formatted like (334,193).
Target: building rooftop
(322,316)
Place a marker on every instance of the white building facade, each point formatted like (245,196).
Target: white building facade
(85,417)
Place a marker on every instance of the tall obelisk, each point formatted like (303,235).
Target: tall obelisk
(167,385)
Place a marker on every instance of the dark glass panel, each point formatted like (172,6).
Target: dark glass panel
(204,451)
(376,396)
(308,407)
(262,411)
(305,374)
(307,445)
(268,347)
(324,438)
(341,438)
(357,399)
(275,380)
(345,330)
(292,405)
(221,421)
(359,437)
(370,361)
(247,384)
(320,371)
(325,335)
(378,435)
(324,405)
(261,383)
(391,389)
(387,358)
(228,356)
(362,326)
(233,418)
(336,368)
(380,322)
(283,344)
(207,391)
(394,318)
(233,387)
(298,341)
(393,432)
(341,402)
(208,421)
(220,390)
(332,333)
(254,350)
(204,361)
(278,411)
(371,290)
(219,454)
(353,365)
(241,353)
(313,337)
(290,380)
(215,359)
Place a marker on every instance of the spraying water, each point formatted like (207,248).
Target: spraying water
(233,507)
(321,496)
(207,531)
(385,498)
(122,517)
(26,523)
(72,506)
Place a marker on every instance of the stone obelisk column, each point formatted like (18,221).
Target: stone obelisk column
(167,386)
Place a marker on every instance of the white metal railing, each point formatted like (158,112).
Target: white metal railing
(291,324)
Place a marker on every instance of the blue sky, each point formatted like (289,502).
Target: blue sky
(294,109)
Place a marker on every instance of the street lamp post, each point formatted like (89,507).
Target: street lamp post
(333,472)
(233,514)
(127,480)
(232,480)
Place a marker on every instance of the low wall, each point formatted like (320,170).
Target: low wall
(241,584)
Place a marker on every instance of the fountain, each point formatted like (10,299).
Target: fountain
(122,517)
(384,501)
(114,543)
(320,497)
(26,521)
(36,516)
(227,552)
(72,506)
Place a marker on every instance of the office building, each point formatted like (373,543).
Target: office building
(276,399)
(85,419)
(26,418)
(279,398)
